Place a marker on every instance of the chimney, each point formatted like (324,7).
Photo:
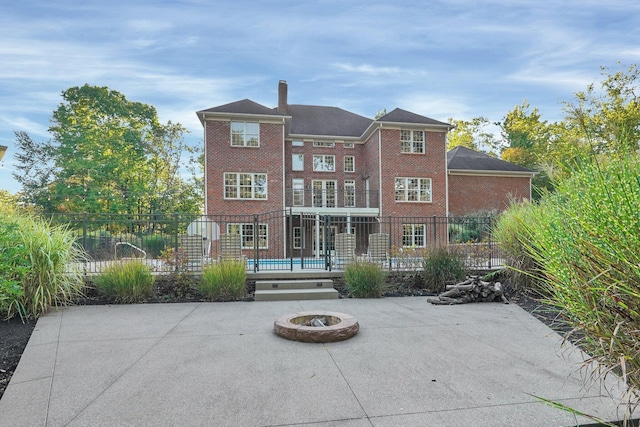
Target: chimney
(282,96)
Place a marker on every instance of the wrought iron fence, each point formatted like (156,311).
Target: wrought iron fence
(280,240)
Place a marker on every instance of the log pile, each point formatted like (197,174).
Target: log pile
(471,290)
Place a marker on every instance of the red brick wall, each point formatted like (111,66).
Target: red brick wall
(469,194)
(371,167)
(339,175)
(431,164)
(222,157)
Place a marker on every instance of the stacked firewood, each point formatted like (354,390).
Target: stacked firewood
(471,290)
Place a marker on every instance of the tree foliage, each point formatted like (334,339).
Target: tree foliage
(607,120)
(475,134)
(107,154)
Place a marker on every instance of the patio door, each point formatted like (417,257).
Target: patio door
(319,239)
(324,193)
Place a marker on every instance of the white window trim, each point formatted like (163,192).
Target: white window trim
(323,162)
(241,227)
(244,134)
(353,164)
(351,185)
(293,168)
(238,187)
(423,235)
(297,240)
(406,190)
(327,195)
(412,142)
(323,144)
(297,191)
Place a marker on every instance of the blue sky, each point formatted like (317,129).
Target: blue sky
(441,59)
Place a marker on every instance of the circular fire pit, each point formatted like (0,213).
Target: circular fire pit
(331,326)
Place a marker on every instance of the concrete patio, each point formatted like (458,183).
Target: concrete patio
(206,364)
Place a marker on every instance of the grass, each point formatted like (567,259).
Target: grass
(35,260)
(441,266)
(364,279)
(126,282)
(224,280)
(585,241)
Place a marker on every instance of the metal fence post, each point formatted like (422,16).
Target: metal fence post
(435,229)
(256,235)
(176,246)
(490,239)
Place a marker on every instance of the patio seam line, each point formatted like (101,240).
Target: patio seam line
(158,341)
(366,415)
(53,373)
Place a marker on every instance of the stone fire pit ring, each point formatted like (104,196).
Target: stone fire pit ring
(340,326)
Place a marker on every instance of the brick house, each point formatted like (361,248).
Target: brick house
(481,183)
(313,161)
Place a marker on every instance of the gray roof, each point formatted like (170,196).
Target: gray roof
(246,106)
(463,158)
(329,121)
(402,116)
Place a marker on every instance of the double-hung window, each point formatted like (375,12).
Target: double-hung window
(413,235)
(413,189)
(245,185)
(245,134)
(349,164)
(247,234)
(412,141)
(324,163)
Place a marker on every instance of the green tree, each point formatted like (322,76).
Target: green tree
(107,154)
(474,134)
(607,120)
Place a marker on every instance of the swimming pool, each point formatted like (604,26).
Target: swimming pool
(285,263)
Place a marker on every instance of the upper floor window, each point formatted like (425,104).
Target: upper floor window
(349,164)
(245,134)
(413,189)
(323,144)
(295,143)
(324,163)
(297,162)
(348,145)
(245,185)
(412,141)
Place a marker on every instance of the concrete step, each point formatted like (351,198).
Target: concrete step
(266,285)
(295,294)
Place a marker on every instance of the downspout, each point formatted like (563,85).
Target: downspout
(380,170)
(284,193)
(204,190)
(446,174)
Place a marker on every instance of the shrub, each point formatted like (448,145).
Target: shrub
(126,282)
(364,279)
(586,240)
(510,233)
(224,280)
(36,266)
(441,266)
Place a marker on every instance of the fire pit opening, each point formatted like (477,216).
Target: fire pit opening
(321,326)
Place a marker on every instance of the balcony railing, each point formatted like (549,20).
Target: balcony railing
(338,198)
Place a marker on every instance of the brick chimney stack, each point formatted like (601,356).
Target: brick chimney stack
(282,96)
